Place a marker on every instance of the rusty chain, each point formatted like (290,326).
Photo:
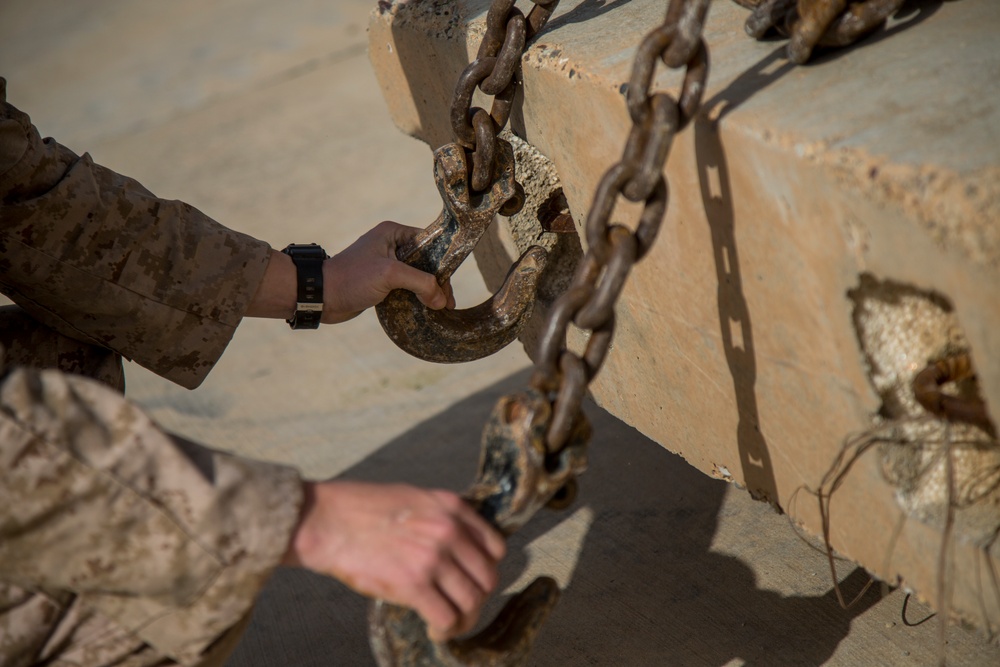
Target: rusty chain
(493,70)
(812,23)
(535,442)
(613,249)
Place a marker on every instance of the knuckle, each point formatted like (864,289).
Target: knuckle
(445,618)
(447,530)
(439,527)
(423,564)
(450,501)
(490,580)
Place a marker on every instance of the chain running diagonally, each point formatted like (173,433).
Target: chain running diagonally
(493,70)
(613,249)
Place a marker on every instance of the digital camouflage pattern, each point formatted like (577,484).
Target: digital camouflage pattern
(119,543)
(95,256)
(25,342)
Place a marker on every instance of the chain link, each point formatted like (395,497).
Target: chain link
(493,72)
(613,249)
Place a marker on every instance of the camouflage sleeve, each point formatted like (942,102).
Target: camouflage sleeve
(97,257)
(170,540)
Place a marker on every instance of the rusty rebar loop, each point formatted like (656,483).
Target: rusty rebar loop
(509,56)
(648,145)
(601,306)
(569,400)
(927,390)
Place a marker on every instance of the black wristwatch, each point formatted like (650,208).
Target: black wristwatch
(308,258)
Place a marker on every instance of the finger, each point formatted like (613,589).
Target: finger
(423,284)
(477,565)
(488,537)
(396,234)
(461,589)
(450,293)
(442,618)
(463,623)
(405,232)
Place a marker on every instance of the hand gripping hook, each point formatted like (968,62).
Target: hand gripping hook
(516,478)
(452,336)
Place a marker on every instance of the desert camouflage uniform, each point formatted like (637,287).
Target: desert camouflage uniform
(119,543)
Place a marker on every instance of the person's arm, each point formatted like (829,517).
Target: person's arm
(94,255)
(97,257)
(173,541)
(355,279)
(170,540)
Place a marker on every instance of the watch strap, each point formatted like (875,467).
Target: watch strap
(308,259)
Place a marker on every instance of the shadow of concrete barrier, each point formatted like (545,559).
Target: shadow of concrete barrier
(661,565)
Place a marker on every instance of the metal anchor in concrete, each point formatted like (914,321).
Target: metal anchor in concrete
(517,476)
(451,336)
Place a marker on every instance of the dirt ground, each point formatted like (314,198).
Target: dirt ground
(266,116)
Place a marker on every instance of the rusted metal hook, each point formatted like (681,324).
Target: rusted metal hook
(451,336)
(927,390)
(517,476)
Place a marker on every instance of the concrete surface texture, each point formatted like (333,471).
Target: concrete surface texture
(810,207)
(268,117)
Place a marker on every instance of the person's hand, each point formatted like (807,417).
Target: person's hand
(354,279)
(363,274)
(423,549)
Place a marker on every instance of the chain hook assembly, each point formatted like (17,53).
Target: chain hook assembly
(517,476)
(475,176)
(451,336)
(534,443)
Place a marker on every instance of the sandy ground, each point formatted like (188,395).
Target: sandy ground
(266,116)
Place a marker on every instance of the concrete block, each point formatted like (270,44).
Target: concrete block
(831,229)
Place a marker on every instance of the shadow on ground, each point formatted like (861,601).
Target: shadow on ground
(646,589)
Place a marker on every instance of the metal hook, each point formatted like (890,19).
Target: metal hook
(517,476)
(452,336)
